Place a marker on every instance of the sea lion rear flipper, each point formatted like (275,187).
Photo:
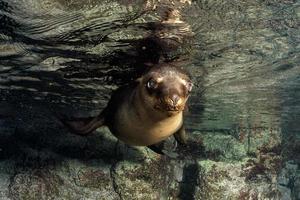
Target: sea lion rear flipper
(181,136)
(84,126)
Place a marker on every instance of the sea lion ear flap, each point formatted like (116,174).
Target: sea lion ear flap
(138,80)
(149,64)
(189,86)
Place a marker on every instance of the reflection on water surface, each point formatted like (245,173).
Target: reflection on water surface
(249,50)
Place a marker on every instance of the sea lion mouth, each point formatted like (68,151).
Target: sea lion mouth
(168,108)
(168,105)
(172,109)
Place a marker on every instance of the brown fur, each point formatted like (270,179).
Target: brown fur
(145,112)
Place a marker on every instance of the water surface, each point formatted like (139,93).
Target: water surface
(65,52)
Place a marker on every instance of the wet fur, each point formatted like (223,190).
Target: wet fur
(130,113)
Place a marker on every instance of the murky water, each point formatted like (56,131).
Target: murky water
(66,56)
(249,51)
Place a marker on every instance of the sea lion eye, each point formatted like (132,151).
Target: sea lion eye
(151,84)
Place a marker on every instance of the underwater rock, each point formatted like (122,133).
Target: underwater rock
(228,181)
(219,146)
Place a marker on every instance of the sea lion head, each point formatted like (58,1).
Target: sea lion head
(165,88)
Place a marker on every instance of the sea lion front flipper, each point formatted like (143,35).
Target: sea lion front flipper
(166,147)
(181,136)
(84,126)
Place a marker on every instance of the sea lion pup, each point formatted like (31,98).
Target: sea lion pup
(145,112)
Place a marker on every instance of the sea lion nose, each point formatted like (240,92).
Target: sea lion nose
(175,99)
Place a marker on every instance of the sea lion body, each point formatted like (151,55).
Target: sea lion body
(135,125)
(146,111)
